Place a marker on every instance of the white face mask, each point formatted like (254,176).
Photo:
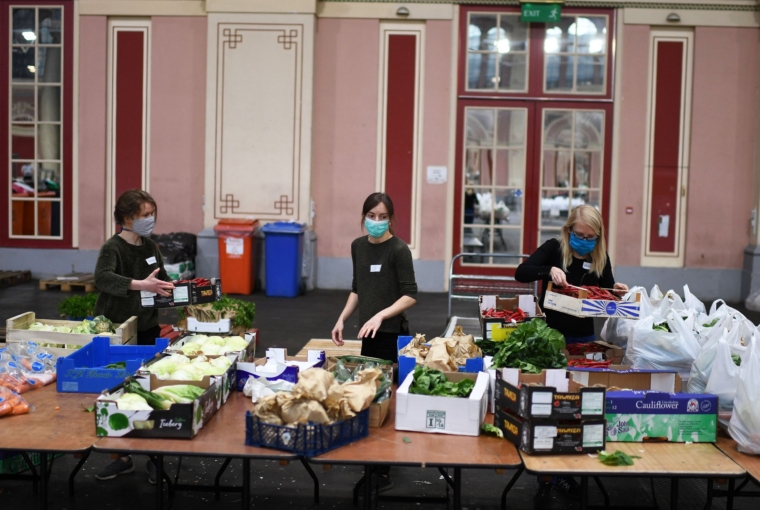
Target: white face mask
(142,226)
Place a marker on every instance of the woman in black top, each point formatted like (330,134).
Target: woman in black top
(578,257)
(383,285)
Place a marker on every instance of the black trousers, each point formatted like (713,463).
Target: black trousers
(384,345)
(148,337)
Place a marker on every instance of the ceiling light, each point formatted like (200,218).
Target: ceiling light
(32,69)
(595,45)
(503,46)
(551,45)
(29,36)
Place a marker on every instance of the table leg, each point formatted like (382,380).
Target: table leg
(246,498)
(730,499)
(604,492)
(35,478)
(457,488)
(313,477)
(508,488)
(584,492)
(43,480)
(159,482)
(674,493)
(368,487)
(219,476)
(79,465)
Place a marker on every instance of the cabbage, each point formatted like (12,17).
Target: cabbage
(210,348)
(163,366)
(132,402)
(190,349)
(200,359)
(221,362)
(179,359)
(236,343)
(216,340)
(186,374)
(197,339)
(62,329)
(179,393)
(38,326)
(208,369)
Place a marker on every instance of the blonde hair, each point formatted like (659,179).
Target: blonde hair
(591,217)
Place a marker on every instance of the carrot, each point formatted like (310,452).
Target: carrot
(21,408)
(5,408)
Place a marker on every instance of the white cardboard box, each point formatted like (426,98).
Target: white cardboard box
(591,307)
(221,326)
(443,415)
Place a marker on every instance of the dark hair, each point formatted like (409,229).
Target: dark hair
(130,204)
(379,198)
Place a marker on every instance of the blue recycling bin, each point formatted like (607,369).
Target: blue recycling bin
(284,257)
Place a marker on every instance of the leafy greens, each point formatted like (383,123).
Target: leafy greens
(433,382)
(617,459)
(532,347)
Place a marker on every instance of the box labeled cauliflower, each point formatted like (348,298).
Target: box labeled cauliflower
(636,416)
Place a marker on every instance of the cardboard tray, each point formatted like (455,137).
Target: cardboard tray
(288,373)
(487,324)
(406,364)
(63,344)
(628,378)
(247,354)
(582,307)
(611,352)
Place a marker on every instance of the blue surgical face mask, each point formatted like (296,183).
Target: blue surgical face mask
(581,246)
(376,228)
(142,226)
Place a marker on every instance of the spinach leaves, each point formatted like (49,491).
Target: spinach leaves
(433,382)
(532,347)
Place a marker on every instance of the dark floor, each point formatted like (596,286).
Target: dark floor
(291,323)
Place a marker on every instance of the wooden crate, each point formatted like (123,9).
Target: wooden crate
(11,278)
(350,347)
(17,330)
(84,282)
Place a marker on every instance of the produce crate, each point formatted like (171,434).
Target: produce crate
(11,278)
(12,462)
(83,372)
(17,330)
(75,281)
(407,364)
(582,307)
(488,324)
(306,440)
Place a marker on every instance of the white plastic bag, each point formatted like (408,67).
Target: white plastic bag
(724,376)
(691,301)
(745,419)
(617,331)
(737,336)
(661,350)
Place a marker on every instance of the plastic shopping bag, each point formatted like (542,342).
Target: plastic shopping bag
(691,302)
(616,330)
(736,335)
(724,376)
(745,419)
(662,350)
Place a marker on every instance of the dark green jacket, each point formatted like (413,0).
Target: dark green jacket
(118,264)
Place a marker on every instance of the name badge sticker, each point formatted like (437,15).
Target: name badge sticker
(150,260)
(375,268)
(587,265)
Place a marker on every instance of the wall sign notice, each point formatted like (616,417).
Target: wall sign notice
(540,13)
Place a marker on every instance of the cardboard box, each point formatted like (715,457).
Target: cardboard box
(84,372)
(63,344)
(406,364)
(636,416)
(610,352)
(552,436)
(181,421)
(542,396)
(528,303)
(184,294)
(286,367)
(378,413)
(627,378)
(220,326)
(443,415)
(225,382)
(247,354)
(582,307)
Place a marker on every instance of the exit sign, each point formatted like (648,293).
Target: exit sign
(540,13)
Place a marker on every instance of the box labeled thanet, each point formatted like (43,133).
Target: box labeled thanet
(636,416)
(625,377)
(279,366)
(584,307)
(552,436)
(443,415)
(548,395)
(527,303)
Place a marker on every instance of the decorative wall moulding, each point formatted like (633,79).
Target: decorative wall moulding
(142,8)
(263,6)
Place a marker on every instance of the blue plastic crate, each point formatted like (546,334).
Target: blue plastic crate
(406,364)
(82,372)
(306,440)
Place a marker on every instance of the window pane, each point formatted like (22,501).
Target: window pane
(49,142)
(22,217)
(482,32)
(581,197)
(558,129)
(49,218)
(555,206)
(559,73)
(479,165)
(480,127)
(511,127)
(22,104)
(510,168)
(507,240)
(509,207)
(588,170)
(22,179)
(588,130)
(592,35)
(512,72)
(557,169)
(560,37)
(49,179)
(481,72)
(590,74)
(22,141)
(50,26)
(515,31)
(49,65)
(472,242)
(49,101)
(24,31)
(548,234)
(23,64)
(470,205)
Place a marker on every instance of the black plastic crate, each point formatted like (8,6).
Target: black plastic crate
(307,440)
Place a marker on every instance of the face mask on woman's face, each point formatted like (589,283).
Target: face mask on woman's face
(376,228)
(142,226)
(581,246)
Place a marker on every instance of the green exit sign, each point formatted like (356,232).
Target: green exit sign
(540,13)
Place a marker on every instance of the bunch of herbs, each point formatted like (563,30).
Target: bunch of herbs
(532,347)
(434,382)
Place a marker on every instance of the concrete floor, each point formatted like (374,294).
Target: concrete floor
(291,323)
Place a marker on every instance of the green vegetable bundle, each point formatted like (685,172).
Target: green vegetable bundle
(433,382)
(343,374)
(617,459)
(532,347)
(489,347)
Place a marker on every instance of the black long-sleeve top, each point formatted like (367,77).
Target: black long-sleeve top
(538,267)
